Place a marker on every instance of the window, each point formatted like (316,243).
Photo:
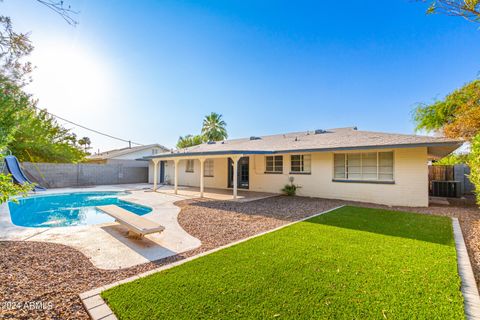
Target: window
(373,166)
(190,166)
(154,151)
(208,168)
(274,164)
(300,163)
(385,166)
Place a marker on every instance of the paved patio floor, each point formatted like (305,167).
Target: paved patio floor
(215,193)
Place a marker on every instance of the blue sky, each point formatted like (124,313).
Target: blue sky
(150,70)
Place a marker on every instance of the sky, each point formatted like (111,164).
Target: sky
(149,71)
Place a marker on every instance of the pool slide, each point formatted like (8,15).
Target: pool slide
(18,176)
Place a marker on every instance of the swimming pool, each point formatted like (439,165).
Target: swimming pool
(68,209)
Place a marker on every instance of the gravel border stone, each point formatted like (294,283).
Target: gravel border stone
(469,286)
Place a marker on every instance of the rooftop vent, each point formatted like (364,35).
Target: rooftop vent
(320,131)
(255,138)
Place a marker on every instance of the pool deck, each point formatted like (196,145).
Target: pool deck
(107,245)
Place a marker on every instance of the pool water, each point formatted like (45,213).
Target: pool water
(68,209)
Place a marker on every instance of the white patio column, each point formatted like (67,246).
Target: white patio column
(155,174)
(202,178)
(235,177)
(175,161)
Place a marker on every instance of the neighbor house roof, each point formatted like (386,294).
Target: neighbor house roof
(318,140)
(111,154)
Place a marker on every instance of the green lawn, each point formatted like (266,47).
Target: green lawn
(352,263)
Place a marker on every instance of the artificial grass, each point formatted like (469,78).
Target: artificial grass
(351,263)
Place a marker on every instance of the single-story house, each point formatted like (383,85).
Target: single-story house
(127,155)
(342,163)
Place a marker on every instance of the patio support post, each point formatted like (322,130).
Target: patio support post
(155,174)
(202,171)
(176,175)
(235,177)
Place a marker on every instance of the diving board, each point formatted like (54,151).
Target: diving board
(137,225)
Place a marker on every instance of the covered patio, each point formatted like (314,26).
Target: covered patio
(213,193)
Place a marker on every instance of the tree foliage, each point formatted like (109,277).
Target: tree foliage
(452,159)
(9,189)
(474,164)
(189,141)
(23,130)
(32,134)
(214,128)
(85,142)
(467,9)
(13,48)
(457,116)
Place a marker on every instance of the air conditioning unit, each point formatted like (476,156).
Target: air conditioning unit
(449,189)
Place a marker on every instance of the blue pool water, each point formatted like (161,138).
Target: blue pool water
(68,209)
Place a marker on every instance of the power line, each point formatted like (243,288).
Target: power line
(92,130)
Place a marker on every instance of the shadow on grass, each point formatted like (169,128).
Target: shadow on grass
(409,225)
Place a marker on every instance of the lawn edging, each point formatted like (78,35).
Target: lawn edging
(98,309)
(469,286)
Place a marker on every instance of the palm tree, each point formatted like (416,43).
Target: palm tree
(189,141)
(214,128)
(85,142)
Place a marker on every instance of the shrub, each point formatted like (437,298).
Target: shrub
(474,164)
(9,189)
(290,189)
(452,159)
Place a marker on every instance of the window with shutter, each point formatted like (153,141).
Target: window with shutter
(368,166)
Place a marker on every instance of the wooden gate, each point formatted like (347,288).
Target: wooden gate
(440,173)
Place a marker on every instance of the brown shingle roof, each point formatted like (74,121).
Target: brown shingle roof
(331,139)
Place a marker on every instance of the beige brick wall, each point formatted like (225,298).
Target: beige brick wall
(410,174)
(410,187)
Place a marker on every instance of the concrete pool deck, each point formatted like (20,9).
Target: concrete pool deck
(107,245)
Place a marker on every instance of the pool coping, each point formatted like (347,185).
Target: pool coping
(98,309)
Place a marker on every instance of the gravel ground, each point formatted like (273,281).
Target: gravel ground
(54,275)
(217,223)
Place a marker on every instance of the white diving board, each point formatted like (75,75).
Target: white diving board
(137,226)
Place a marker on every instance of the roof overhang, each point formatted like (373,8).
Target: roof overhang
(438,152)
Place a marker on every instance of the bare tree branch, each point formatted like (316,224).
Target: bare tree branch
(15,46)
(65,11)
(467,9)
